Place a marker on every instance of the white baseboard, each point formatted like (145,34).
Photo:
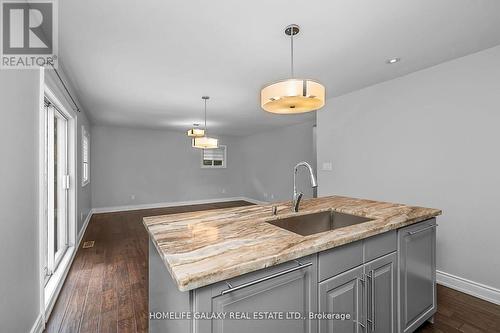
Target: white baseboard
(39,325)
(171,204)
(84,227)
(472,288)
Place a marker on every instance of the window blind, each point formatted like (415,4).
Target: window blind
(85,157)
(85,149)
(216,154)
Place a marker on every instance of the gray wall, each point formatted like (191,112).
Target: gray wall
(159,166)
(155,166)
(19,278)
(429,138)
(268,160)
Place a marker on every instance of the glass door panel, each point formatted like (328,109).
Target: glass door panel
(57,187)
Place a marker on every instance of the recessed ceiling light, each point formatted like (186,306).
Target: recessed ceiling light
(393,60)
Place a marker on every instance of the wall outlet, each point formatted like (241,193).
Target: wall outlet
(223,190)
(327,166)
(132,197)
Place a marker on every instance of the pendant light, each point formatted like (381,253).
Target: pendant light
(196,131)
(293,95)
(205,142)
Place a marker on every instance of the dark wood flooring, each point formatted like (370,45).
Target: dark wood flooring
(107,288)
(459,312)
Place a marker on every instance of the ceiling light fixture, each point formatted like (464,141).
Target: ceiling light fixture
(393,61)
(292,95)
(196,132)
(205,142)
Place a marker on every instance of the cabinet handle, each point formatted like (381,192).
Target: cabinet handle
(272,276)
(360,324)
(372,291)
(371,320)
(363,280)
(423,229)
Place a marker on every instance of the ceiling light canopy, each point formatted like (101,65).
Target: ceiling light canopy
(204,141)
(293,95)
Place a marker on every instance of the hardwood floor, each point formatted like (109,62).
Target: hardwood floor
(459,312)
(107,288)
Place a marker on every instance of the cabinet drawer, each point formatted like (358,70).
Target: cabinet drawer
(380,245)
(266,290)
(416,227)
(340,259)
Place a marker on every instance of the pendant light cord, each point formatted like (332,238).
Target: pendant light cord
(291,54)
(206,131)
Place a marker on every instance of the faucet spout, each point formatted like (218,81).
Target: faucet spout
(314,183)
(296,195)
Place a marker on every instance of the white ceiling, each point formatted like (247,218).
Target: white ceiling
(147,63)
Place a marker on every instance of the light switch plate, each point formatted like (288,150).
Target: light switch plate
(327,166)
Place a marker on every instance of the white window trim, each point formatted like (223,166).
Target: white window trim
(85,135)
(224,163)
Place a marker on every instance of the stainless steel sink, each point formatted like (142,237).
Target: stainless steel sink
(317,222)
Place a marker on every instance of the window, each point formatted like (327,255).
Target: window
(214,158)
(85,157)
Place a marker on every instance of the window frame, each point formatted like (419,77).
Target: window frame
(51,285)
(54,258)
(85,137)
(224,161)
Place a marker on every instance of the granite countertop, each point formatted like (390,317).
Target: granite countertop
(204,247)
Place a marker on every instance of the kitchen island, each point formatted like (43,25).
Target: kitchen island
(376,275)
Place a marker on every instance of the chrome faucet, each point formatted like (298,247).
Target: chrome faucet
(297,196)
